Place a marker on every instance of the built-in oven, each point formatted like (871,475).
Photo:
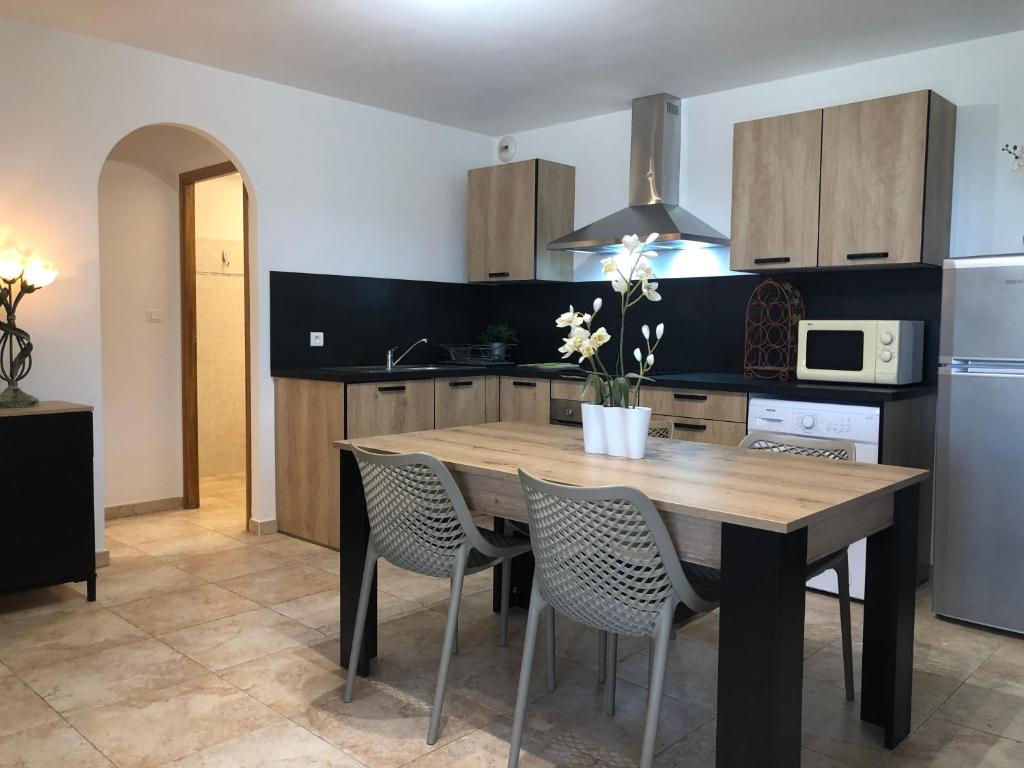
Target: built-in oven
(566,412)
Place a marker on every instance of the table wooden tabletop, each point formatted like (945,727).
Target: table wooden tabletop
(772,492)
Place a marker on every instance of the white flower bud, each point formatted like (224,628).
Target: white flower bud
(646,331)
(597,304)
(650,360)
(659,331)
(637,354)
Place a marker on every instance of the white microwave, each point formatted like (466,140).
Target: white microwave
(860,351)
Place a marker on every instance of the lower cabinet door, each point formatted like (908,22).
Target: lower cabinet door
(460,401)
(705,430)
(389,407)
(526,400)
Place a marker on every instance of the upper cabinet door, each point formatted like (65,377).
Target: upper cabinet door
(502,222)
(775,173)
(513,211)
(878,159)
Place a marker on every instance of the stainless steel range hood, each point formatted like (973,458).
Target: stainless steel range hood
(653,190)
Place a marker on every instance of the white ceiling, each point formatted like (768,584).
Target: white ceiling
(497,66)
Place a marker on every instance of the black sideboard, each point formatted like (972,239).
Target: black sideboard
(47,497)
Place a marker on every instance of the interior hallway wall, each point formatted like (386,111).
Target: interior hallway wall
(220,325)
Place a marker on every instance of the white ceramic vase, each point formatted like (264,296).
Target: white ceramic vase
(593,428)
(615,430)
(636,421)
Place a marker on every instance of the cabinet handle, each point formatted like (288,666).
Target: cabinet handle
(694,398)
(690,427)
(497,274)
(460,383)
(392,388)
(531,384)
(867,256)
(773,260)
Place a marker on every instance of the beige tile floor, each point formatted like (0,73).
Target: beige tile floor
(213,648)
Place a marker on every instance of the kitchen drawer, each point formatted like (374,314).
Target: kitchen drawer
(696,403)
(705,430)
(523,399)
(569,390)
(389,407)
(459,401)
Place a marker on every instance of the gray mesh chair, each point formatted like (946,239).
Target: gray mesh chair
(419,521)
(836,450)
(605,559)
(661,429)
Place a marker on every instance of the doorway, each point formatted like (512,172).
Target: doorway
(215,354)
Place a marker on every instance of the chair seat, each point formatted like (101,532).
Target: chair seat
(511,544)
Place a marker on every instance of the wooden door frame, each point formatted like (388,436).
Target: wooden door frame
(189,334)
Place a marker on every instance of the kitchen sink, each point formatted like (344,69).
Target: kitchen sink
(384,368)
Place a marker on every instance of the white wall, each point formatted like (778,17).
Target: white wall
(139,270)
(336,187)
(983,77)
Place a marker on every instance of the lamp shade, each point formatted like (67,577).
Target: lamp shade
(12,264)
(39,273)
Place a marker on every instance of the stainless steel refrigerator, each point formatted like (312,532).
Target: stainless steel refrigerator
(979,463)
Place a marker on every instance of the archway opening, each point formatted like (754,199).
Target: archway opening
(174,289)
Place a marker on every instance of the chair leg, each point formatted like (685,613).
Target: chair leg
(357,637)
(843,573)
(660,654)
(550,627)
(602,655)
(506,589)
(525,670)
(611,664)
(650,661)
(450,632)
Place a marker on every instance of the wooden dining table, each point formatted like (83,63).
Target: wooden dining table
(758,517)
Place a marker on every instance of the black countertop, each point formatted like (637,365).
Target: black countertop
(865,394)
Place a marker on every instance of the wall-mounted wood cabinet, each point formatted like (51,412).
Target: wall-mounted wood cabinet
(513,211)
(874,188)
(776,165)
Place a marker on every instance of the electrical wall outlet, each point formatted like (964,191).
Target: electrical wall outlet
(316,338)
(154,315)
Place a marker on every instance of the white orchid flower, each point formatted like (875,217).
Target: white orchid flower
(567,349)
(597,305)
(609,265)
(630,243)
(642,270)
(646,331)
(659,331)
(638,354)
(565,319)
(619,285)
(650,290)
(650,360)
(587,350)
(579,332)
(600,337)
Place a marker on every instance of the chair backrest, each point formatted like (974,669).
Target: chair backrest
(603,556)
(820,448)
(418,517)
(661,429)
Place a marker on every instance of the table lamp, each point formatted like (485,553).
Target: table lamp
(19,276)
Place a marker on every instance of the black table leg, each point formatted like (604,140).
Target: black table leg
(90,589)
(760,648)
(355,534)
(522,575)
(889,595)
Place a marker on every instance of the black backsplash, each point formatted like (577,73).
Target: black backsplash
(704,317)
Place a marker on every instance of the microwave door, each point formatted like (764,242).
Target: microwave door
(837,353)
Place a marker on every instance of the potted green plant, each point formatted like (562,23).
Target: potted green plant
(615,422)
(498,337)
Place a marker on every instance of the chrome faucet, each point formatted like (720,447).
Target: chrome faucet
(393,361)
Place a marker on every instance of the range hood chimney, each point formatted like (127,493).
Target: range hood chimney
(653,190)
